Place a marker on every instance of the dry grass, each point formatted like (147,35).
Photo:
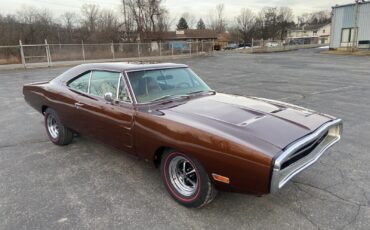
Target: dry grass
(9,60)
(347,52)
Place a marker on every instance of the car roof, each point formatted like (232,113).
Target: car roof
(113,66)
(123,66)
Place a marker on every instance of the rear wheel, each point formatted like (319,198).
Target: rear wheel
(57,133)
(186,180)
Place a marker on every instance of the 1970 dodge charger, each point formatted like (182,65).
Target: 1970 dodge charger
(201,140)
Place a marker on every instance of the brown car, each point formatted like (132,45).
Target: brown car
(201,140)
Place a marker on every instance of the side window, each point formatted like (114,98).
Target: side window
(122,92)
(103,82)
(81,83)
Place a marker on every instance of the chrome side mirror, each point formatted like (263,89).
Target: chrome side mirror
(108,97)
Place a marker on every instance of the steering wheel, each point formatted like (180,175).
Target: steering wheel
(183,85)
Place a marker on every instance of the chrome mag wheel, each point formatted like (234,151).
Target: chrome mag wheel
(52,125)
(183,176)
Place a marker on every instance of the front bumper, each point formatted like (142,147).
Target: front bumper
(329,134)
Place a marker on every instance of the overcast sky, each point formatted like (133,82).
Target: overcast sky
(200,8)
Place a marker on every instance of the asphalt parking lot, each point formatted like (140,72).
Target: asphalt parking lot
(87,185)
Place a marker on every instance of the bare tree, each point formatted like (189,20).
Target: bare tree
(108,26)
(216,19)
(285,20)
(190,19)
(245,23)
(128,21)
(164,21)
(146,15)
(90,13)
(285,14)
(69,20)
(315,18)
(37,23)
(221,22)
(211,20)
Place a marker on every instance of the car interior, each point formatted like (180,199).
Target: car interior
(153,84)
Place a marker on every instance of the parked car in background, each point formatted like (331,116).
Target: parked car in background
(217,47)
(272,44)
(296,42)
(202,141)
(231,46)
(245,45)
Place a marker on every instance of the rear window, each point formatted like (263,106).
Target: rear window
(81,83)
(103,82)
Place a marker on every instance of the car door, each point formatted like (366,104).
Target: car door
(77,88)
(110,123)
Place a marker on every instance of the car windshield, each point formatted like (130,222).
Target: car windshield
(164,84)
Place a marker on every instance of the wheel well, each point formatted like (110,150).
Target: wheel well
(158,155)
(43,109)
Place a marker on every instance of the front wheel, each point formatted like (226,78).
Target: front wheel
(57,133)
(186,180)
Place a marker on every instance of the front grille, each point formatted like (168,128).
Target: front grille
(303,151)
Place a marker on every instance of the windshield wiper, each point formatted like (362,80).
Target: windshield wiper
(202,91)
(170,97)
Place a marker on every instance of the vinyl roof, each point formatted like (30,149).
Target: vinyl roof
(123,66)
(113,66)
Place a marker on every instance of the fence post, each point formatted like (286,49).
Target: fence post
(22,54)
(190,48)
(112,50)
(83,50)
(160,48)
(138,50)
(213,46)
(47,48)
(197,47)
(202,47)
(252,45)
(172,49)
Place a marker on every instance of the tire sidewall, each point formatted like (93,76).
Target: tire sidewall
(200,195)
(50,112)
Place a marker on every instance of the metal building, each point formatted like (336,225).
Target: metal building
(351,26)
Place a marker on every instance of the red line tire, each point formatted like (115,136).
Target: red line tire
(186,180)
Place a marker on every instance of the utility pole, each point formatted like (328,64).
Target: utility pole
(355,28)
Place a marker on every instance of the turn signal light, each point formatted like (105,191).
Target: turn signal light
(220,178)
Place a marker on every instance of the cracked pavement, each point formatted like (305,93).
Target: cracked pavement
(87,185)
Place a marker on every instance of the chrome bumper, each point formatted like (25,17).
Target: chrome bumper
(280,176)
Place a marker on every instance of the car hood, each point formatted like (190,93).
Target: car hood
(249,119)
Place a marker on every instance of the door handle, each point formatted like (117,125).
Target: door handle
(78,105)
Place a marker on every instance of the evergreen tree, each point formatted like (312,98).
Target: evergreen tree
(182,25)
(201,25)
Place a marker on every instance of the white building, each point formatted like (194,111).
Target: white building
(351,26)
(318,34)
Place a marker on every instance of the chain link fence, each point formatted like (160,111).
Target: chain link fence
(50,53)
(266,46)
(10,55)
